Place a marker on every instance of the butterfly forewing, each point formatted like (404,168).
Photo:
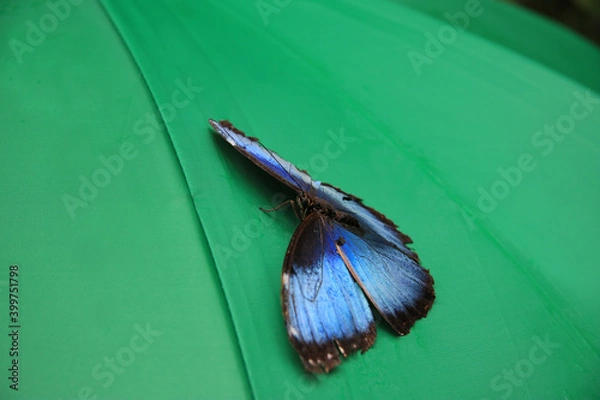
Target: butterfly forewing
(266,159)
(325,311)
(370,219)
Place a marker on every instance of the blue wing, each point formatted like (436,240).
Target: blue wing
(370,219)
(325,311)
(266,159)
(373,249)
(395,283)
(301,181)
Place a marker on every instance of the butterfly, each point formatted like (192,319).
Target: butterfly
(341,254)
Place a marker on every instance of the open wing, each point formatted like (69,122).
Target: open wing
(325,311)
(301,181)
(369,218)
(395,283)
(266,159)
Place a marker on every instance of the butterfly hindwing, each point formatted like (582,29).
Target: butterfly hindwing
(325,311)
(395,283)
(266,159)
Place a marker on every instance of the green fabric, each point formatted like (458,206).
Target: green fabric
(516,278)
(511,282)
(134,259)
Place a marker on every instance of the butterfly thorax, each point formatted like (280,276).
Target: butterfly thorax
(308,204)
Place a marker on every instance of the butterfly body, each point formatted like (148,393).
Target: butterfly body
(341,254)
(308,204)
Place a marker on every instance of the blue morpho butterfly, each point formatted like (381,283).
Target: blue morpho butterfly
(339,242)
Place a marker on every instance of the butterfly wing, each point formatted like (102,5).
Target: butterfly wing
(395,283)
(370,219)
(325,311)
(300,181)
(266,159)
(323,317)
(377,255)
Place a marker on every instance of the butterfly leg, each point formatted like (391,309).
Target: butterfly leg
(291,201)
